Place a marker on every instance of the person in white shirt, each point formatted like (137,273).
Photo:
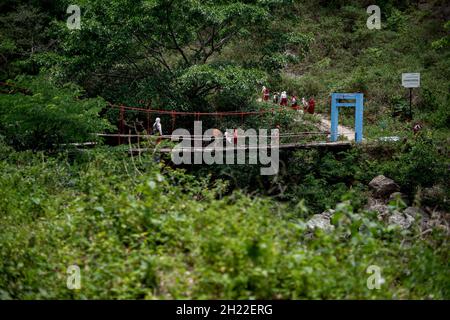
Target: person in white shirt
(265,94)
(276,136)
(157,128)
(284,100)
(305,104)
(228,138)
(276,98)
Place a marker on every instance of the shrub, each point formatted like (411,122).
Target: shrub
(48,116)
(420,165)
(139,231)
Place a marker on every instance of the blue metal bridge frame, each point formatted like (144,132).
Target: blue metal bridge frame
(357,103)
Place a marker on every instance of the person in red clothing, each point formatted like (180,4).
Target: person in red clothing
(284,99)
(311,105)
(294,103)
(266,94)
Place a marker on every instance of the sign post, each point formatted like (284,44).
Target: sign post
(410,80)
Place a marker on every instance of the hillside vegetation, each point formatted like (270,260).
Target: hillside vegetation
(141,228)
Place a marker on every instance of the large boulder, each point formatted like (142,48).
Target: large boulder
(320,221)
(433,196)
(328,213)
(415,212)
(438,220)
(420,215)
(379,207)
(402,220)
(383,187)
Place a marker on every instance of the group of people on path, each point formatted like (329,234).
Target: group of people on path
(282,99)
(230,139)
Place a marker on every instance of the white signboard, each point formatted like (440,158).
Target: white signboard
(411,80)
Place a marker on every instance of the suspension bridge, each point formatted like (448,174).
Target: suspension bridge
(322,138)
(285,140)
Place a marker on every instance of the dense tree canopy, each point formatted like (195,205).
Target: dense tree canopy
(170,51)
(42,117)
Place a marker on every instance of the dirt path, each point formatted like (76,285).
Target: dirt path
(325,125)
(348,133)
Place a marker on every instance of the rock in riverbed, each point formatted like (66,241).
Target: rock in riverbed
(321,221)
(383,187)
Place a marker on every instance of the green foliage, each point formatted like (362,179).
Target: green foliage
(396,21)
(142,230)
(443,42)
(420,164)
(236,85)
(346,56)
(400,106)
(24,36)
(170,52)
(138,231)
(302,87)
(435,108)
(48,116)
(321,180)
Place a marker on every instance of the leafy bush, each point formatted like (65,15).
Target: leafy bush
(142,230)
(396,21)
(302,87)
(171,52)
(420,164)
(435,108)
(445,41)
(48,116)
(138,231)
(234,86)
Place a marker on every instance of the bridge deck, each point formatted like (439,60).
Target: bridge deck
(339,144)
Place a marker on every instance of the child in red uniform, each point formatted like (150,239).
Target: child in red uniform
(294,103)
(266,94)
(311,105)
(284,100)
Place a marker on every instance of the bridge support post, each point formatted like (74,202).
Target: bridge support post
(357,103)
(121,123)
(334,119)
(359,117)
